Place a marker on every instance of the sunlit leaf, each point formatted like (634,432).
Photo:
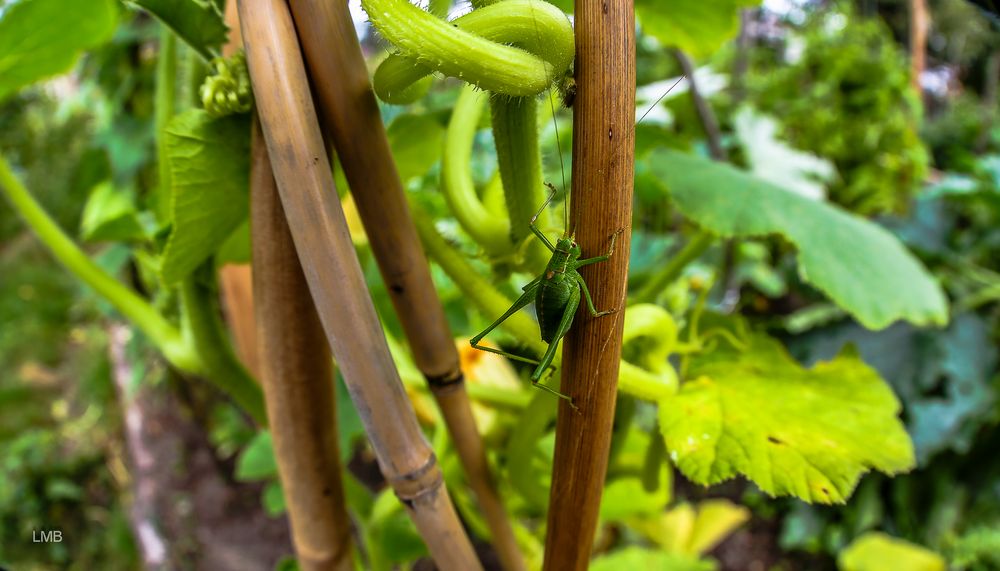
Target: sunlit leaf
(943,377)
(809,433)
(42,38)
(698,28)
(858,264)
(199,23)
(209,170)
(877,552)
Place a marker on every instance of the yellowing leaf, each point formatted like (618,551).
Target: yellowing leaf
(625,496)
(693,530)
(877,552)
(716,520)
(792,431)
(639,559)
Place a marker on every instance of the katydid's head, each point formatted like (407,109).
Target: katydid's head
(568,245)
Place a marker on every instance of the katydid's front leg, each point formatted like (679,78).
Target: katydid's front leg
(605,257)
(527,297)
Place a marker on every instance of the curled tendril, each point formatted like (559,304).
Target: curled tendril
(512,47)
(227,91)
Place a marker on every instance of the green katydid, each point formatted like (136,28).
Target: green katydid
(557,292)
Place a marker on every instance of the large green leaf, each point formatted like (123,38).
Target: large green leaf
(858,264)
(877,551)
(198,22)
(698,28)
(41,38)
(810,433)
(209,171)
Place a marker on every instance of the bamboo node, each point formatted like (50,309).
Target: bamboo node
(450,380)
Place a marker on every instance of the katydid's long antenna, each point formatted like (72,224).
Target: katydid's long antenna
(555,124)
(657,102)
(562,165)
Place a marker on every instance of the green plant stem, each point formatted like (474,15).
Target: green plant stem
(632,379)
(166,85)
(490,229)
(690,252)
(199,348)
(478,47)
(202,328)
(515,131)
(165,336)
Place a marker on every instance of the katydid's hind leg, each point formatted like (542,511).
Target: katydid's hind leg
(507,354)
(590,300)
(564,324)
(525,299)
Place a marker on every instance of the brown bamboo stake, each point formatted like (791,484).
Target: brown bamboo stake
(603,155)
(297,373)
(919,24)
(319,230)
(351,119)
(297,376)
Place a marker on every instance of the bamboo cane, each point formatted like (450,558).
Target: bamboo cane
(351,119)
(319,230)
(920,22)
(297,375)
(603,155)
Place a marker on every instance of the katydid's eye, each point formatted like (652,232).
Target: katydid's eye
(574,244)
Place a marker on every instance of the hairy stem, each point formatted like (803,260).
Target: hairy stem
(515,130)
(490,229)
(479,47)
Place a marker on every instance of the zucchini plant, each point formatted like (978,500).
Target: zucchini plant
(703,392)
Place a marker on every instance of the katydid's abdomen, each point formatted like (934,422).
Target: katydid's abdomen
(550,304)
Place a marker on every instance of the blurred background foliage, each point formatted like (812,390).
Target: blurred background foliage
(816,95)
